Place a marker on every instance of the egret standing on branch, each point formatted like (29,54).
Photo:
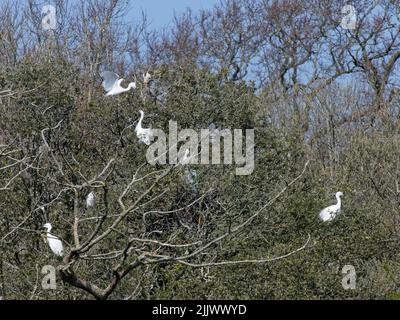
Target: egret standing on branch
(145,135)
(55,243)
(90,200)
(329,213)
(146,78)
(112,83)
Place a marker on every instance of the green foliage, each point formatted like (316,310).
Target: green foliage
(60,100)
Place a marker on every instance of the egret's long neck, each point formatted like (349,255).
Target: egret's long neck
(139,125)
(131,85)
(339,202)
(119,83)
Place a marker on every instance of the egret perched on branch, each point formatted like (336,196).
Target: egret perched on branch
(90,200)
(329,213)
(55,243)
(112,83)
(145,135)
(146,78)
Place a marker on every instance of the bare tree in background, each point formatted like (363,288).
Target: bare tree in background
(278,66)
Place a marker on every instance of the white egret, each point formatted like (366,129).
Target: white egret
(55,243)
(329,213)
(90,200)
(146,78)
(112,83)
(145,135)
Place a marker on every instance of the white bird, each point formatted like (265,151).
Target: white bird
(146,78)
(329,213)
(55,243)
(90,200)
(112,83)
(145,135)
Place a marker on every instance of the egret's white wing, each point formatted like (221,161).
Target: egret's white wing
(325,214)
(55,245)
(110,80)
(328,213)
(90,200)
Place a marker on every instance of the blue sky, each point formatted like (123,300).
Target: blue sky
(161,12)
